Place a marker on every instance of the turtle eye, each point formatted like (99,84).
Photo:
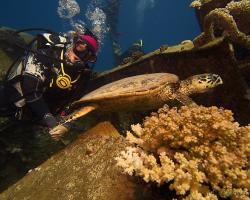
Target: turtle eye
(210,81)
(203,78)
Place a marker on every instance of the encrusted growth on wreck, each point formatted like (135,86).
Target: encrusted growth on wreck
(226,21)
(199,3)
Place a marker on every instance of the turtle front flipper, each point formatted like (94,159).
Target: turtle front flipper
(81,112)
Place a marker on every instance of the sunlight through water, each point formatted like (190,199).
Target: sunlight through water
(141,8)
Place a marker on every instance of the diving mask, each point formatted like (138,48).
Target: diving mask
(86,54)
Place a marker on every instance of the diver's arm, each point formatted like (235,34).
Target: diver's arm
(32,89)
(33,79)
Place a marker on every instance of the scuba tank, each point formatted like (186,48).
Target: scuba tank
(9,52)
(14,45)
(49,38)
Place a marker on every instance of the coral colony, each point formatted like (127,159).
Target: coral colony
(202,151)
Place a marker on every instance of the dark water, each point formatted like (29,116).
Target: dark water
(157,22)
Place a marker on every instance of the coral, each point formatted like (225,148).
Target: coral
(135,160)
(224,19)
(200,151)
(199,3)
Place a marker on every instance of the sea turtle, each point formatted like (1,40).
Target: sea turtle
(143,92)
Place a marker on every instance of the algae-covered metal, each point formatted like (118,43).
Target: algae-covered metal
(85,170)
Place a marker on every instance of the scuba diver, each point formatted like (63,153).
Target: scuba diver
(135,49)
(53,72)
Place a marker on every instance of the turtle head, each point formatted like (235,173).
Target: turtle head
(201,83)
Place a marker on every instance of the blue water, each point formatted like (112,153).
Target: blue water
(163,22)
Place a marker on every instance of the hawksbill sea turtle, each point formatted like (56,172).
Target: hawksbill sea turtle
(144,92)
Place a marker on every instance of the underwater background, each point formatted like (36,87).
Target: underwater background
(156,22)
(198,152)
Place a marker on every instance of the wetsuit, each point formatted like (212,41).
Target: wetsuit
(35,87)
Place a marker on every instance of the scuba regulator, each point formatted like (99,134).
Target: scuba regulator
(64,80)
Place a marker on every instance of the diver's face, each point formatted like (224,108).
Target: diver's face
(72,56)
(80,47)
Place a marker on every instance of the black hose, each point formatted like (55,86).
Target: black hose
(34,29)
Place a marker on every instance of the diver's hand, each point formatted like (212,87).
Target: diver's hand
(58,131)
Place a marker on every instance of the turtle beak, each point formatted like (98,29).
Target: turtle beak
(214,80)
(217,80)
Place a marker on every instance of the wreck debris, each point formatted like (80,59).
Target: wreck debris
(111,10)
(77,173)
(198,3)
(224,20)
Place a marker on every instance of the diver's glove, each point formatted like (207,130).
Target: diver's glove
(58,131)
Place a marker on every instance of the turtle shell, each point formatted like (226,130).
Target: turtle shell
(130,86)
